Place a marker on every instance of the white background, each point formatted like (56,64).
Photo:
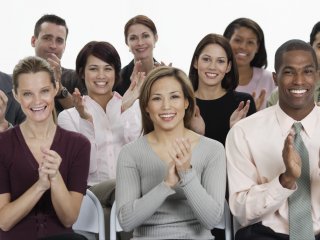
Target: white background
(181,24)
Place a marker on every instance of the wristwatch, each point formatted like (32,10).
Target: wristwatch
(63,93)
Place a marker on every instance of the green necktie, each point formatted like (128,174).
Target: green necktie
(300,218)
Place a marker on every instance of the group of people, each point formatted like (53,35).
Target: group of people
(166,142)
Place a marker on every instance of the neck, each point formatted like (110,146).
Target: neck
(167,137)
(300,114)
(245,74)
(210,92)
(38,130)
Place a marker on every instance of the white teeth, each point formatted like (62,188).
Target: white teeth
(298,91)
(242,54)
(211,74)
(37,108)
(100,83)
(167,115)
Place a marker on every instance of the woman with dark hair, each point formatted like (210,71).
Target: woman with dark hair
(214,76)
(43,168)
(170,182)
(108,120)
(247,41)
(140,35)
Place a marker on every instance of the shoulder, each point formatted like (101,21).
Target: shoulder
(210,144)
(242,96)
(5,82)
(262,75)
(257,120)
(135,146)
(128,68)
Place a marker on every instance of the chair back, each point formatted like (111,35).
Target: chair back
(91,216)
(225,222)
(114,223)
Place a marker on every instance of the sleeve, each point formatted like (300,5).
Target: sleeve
(132,209)
(75,123)
(132,124)
(78,172)
(250,201)
(206,198)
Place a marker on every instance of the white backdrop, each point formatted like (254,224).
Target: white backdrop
(180,24)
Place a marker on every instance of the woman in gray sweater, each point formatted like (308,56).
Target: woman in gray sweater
(170,182)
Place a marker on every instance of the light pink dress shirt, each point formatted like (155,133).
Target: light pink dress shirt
(261,79)
(254,163)
(110,130)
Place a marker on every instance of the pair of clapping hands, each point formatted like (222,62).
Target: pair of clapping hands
(180,160)
(48,167)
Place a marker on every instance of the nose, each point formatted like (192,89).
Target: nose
(36,98)
(53,44)
(166,103)
(140,41)
(101,74)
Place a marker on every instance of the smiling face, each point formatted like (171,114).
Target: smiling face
(36,96)
(141,41)
(316,46)
(244,43)
(99,77)
(51,40)
(296,80)
(212,65)
(167,104)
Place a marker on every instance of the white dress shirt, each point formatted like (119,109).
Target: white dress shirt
(254,163)
(110,130)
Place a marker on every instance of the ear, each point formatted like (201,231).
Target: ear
(275,79)
(156,38)
(33,41)
(229,67)
(186,103)
(195,64)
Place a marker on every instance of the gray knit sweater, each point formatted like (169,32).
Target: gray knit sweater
(154,210)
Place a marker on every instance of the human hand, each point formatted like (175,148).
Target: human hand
(239,113)
(3,107)
(157,64)
(180,153)
(51,161)
(259,101)
(172,177)
(55,63)
(44,181)
(133,92)
(78,102)
(197,123)
(292,162)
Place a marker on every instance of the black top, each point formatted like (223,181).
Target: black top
(216,113)
(124,82)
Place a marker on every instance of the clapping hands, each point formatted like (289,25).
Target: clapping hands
(49,167)
(133,92)
(180,156)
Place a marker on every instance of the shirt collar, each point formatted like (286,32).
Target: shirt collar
(309,123)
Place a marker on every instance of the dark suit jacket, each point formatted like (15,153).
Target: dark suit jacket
(14,114)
